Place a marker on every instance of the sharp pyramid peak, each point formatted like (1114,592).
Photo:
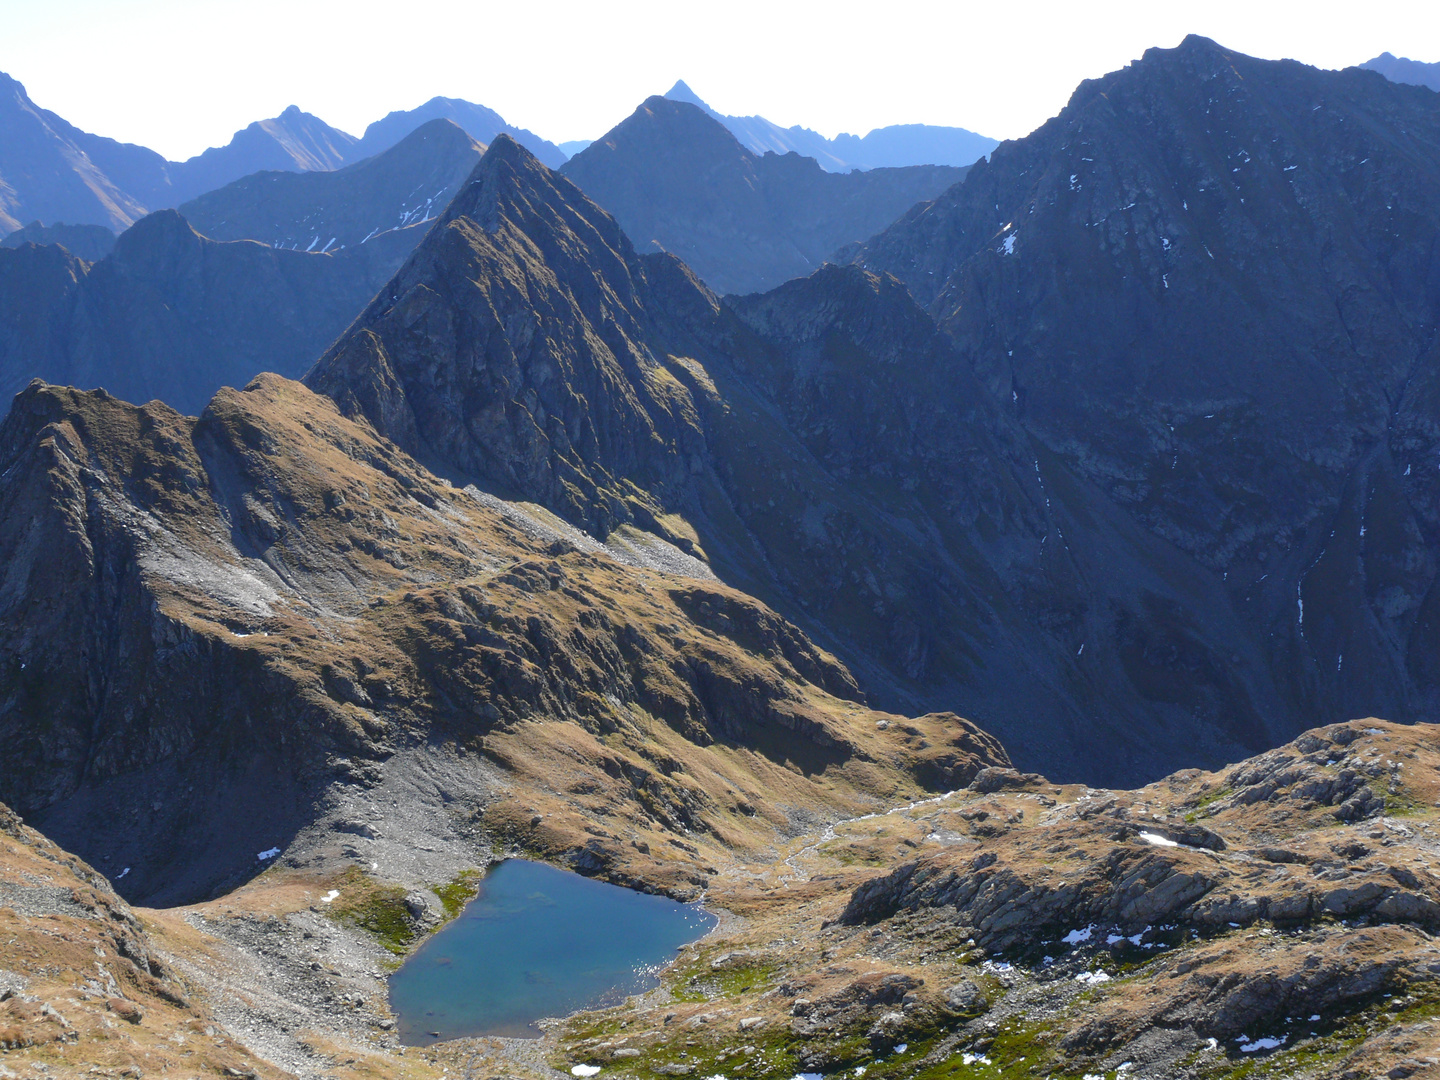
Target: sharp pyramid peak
(505,148)
(504,169)
(682,92)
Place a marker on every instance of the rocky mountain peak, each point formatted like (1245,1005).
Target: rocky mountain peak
(1213,275)
(678,180)
(681,92)
(524,305)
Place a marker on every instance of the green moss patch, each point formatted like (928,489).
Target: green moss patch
(457,893)
(377,909)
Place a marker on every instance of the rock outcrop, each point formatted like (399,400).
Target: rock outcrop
(1205,925)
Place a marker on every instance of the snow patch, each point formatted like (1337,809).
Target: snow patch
(1075,937)
(1260,1044)
(1156,840)
(584,1070)
(269,853)
(1092,978)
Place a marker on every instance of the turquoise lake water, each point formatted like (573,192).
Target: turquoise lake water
(537,942)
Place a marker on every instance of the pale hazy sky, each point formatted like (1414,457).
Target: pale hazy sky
(180,76)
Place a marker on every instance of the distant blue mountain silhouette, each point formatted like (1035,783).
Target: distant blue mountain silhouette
(1402,70)
(887,147)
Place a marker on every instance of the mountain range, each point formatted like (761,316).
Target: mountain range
(399,187)
(53,172)
(821,446)
(1062,564)
(894,146)
(1122,446)
(171,315)
(675,179)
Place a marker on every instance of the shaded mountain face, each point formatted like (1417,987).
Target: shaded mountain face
(480,123)
(213,628)
(52,171)
(1211,287)
(171,315)
(294,141)
(410,183)
(89,242)
(677,181)
(1403,70)
(895,146)
(823,447)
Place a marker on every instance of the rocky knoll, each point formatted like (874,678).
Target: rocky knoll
(213,629)
(172,315)
(822,447)
(1209,287)
(1275,918)
(331,211)
(676,180)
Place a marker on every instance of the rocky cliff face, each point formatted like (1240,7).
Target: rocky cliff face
(1209,287)
(676,180)
(173,316)
(212,626)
